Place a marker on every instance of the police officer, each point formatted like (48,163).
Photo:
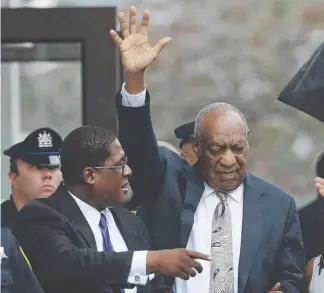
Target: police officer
(16,273)
(184,133)
(34,171)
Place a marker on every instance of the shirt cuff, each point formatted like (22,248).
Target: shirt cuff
(130,100)
(137,275)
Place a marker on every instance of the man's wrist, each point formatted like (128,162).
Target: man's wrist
(134,82)
(152,262)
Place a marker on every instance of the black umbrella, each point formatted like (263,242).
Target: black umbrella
(306,89)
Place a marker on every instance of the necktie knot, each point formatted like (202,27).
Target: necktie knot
(222,196)
(102,221)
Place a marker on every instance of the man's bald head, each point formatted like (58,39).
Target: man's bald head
(221,141)
(216,110)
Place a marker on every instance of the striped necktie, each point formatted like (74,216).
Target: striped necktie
(106,237)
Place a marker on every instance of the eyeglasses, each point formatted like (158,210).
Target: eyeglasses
(119,168)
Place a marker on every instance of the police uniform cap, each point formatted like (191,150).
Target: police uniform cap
(41,148)
(184,132)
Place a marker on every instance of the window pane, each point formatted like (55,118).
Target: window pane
(37,94)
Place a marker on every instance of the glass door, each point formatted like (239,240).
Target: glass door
(59,69)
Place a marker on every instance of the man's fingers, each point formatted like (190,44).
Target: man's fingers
(145,23)
(319,180)
(182,275)
(276,287)
(198,255)
(117,39)
(319,185)
(196,265)
(132,20)
(123,25)
(189,271)
(160,45)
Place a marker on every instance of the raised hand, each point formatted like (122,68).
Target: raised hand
(319,185)
(136,53)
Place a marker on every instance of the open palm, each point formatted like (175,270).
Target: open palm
(136,53)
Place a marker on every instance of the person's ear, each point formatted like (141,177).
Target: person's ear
(89,176)
(247,139)
(195,146)
(13,178)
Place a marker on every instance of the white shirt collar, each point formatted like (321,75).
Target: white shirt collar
(90,213)
(236,194)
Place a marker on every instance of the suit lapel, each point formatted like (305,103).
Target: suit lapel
(71,210)
(122,226)
(125,223)
(255,212)
(193,192)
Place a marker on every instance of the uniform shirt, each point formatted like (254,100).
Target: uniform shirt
(9,214)
(16,274)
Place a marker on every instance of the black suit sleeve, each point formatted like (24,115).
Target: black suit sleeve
(292,260)
(138,140)
(49,241)
(311,223)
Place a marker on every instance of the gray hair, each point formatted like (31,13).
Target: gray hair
(219,107)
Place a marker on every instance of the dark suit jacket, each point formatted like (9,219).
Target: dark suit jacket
(62,249)
(16,274)
(9,214)
(169,190)
(312,226)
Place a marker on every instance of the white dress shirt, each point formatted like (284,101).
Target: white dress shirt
(317,282)
(200,236)
(137,275)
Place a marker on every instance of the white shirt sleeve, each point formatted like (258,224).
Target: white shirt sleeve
(129,100)
(137,274)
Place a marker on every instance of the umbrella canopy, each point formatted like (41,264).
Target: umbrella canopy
(305,91)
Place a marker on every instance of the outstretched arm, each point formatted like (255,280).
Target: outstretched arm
(133,106)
